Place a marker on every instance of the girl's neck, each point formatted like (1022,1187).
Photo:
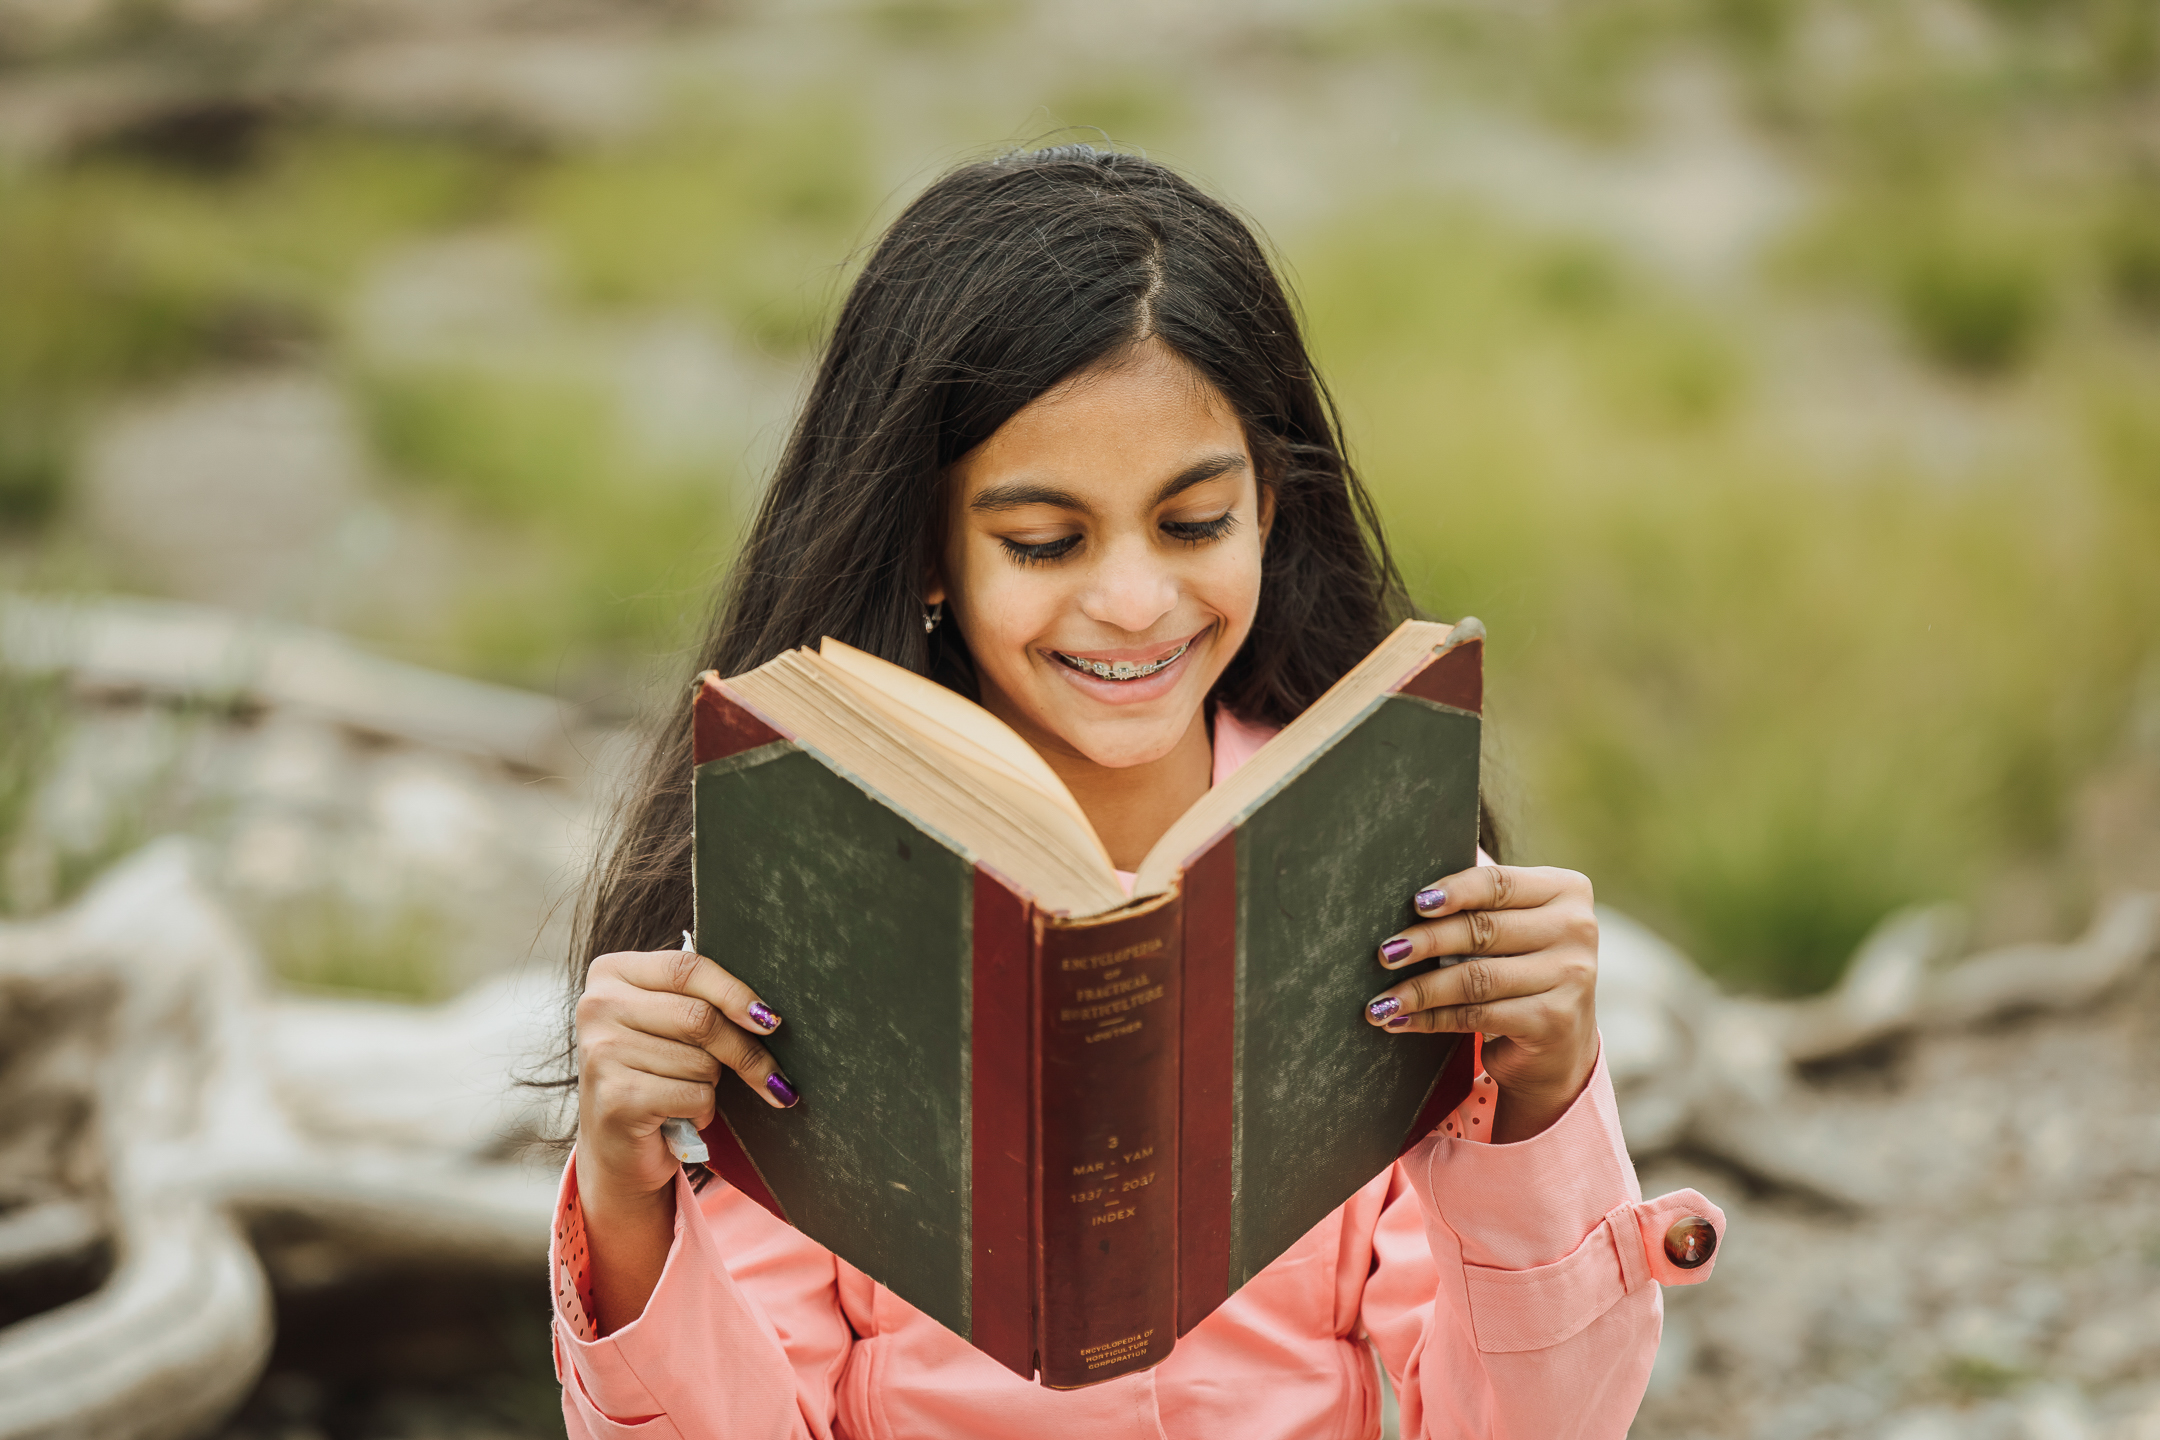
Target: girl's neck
(1132,807)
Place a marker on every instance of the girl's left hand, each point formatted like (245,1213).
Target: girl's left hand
(1530,982)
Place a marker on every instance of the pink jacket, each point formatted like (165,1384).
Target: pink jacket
(1510,1290)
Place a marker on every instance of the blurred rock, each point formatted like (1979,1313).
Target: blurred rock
(557,87)
(172,1121)
(1651,1004)
(211,1106)
(1939,1178)
(173,1338)
(545,70)
(229,491)
(190,652)
(1992,1267)
(39,1234)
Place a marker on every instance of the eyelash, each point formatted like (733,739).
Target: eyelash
(1189,532)
(1200,532)
(1041,554)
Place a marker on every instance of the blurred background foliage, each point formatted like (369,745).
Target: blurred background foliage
(1779,379)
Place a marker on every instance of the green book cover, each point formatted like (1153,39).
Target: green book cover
(1069,1137)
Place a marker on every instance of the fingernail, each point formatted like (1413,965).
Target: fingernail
(1398,1022)
(763,1015)
(1428,901)
(1382,1008)
(781,1090)
(1395,951)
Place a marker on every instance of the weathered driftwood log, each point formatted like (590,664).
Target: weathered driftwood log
(1653,1008)
(194,652)
(1713,1072)
(176,1334)
(209,1104)
(1907,975)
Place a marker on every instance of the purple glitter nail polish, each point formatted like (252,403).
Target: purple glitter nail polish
(1382,1008)
(1398,1022)
(763,1015)
(1395,951)
(1428,901)
(781,1090)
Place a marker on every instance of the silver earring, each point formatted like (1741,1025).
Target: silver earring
(931,615)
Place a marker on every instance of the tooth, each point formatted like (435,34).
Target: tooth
(1121,669)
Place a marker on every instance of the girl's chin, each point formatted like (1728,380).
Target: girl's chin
(1120,747)
(1123,739)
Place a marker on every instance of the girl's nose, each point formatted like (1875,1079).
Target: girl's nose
(1130,591)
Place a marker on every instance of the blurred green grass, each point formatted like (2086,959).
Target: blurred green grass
(32,722)
(1760,700)
(1762,694)
(592,547)
(746,215)
(116,271)
(324,941)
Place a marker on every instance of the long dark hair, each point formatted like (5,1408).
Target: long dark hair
(1003,278)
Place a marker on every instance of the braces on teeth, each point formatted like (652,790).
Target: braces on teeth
(1122,669)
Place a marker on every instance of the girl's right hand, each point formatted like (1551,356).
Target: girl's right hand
(654,1030)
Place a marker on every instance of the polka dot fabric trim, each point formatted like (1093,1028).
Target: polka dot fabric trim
(573,1270)
(1472,1120)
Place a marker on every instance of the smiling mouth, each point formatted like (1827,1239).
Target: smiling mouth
(1124,669)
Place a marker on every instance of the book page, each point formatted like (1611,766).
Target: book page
(947,790)
(951,721)
(1345,700)
(966,772)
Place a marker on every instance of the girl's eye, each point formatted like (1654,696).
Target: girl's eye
(1200,532)
(1040,554)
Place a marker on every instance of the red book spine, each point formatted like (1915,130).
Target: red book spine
(1107,1003)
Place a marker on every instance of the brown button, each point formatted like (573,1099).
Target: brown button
(1691,1242)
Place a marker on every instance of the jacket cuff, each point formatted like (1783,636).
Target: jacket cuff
(1536,1309)
(1553,1231)
(1526,1204)
(595,1372)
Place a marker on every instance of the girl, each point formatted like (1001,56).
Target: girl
(1065,453)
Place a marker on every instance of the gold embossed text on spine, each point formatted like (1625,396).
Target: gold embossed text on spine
(1107,1001)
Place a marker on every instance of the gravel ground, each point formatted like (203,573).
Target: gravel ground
(2011,1288)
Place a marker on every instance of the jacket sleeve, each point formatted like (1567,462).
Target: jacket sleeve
(1515,1288)
(743,1338)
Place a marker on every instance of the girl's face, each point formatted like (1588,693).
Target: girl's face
(1102,557)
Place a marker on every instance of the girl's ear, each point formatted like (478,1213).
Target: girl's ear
(933,591)
(1267,511)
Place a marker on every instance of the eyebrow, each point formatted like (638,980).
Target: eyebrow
(1018,494)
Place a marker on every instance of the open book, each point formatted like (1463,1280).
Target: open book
(1063,1121)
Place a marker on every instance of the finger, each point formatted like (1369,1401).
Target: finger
(683,972)
(687,1020)
(1479,932)
(651,1055)
(742,1053)
(636,1101)
(1473,983)
(1530,1017)
(663,1013)
(1496,887)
